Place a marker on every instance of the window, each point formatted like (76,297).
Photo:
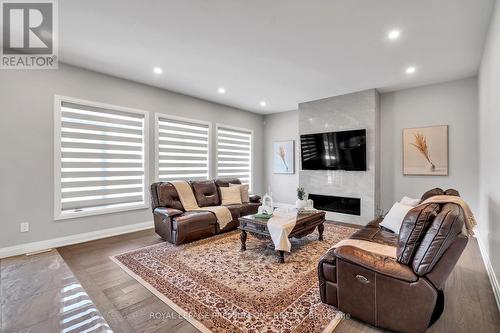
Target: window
(234,153)
(183,147)
(101,154)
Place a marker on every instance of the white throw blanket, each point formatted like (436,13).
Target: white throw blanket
(280,226)
(377,248)
(186,196)
(470,221)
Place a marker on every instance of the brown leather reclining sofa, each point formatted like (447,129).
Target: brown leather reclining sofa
(403,294)
(177,226)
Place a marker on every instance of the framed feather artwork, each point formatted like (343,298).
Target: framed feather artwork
(425,151)
(284,157)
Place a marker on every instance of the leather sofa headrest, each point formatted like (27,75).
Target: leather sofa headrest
(452,191)
(206,193)
(439,191)
(415,224)
(443,231)
(224,182)
(166,196)
(431,193)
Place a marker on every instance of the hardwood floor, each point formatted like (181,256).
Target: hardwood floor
(39,293)
(128,306)
(125,304)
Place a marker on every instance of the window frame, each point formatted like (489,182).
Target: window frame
(252,145)
(159,115)
(58,213)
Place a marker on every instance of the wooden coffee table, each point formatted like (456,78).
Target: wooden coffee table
(306,223)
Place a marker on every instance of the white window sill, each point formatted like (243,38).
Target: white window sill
(98,211)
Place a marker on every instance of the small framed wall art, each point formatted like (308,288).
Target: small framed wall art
(284,157)
(425,151)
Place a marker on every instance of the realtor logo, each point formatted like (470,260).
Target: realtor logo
(29,34)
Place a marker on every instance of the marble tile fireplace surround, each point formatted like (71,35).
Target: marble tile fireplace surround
(341,113)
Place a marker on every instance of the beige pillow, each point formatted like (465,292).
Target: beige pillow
(230,195)
(245,197)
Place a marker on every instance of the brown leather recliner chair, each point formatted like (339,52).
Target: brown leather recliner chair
(177,226)
(403,294)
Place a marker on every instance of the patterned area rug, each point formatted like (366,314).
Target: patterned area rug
(220,289)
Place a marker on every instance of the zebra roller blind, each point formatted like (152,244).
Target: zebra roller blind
(234,153)
(183,149)
(101,155)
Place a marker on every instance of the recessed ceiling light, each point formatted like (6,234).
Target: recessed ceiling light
(221,90)
(394,34)
(158,70)
(410,70)
(263,103)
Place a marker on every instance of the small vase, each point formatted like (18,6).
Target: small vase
(430,167)
(300,203)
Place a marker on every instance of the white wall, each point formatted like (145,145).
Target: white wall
(26,144)
(451,103)
(279,127)
(489,148)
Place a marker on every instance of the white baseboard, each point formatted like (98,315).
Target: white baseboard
(72,239)
(491,273)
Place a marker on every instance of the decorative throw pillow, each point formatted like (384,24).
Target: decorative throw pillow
(395,217)
(410,201)
(245,197)
(230,195)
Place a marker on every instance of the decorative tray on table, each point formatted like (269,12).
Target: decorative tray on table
(306,211)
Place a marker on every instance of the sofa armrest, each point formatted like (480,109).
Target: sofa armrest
(329,257)
(254,198)
(375,223)
(163,222)
(165,212)
(327,260)
(380,264)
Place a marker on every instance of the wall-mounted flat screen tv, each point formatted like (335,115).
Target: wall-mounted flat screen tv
(344,150)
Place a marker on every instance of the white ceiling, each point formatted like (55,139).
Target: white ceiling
(281,51)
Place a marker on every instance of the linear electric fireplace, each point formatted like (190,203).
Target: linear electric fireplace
(335,204)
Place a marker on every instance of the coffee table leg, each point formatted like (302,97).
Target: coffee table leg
(281,257)
(243,239)
(321,227)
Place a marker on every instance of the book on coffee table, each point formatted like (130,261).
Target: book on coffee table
(263,216)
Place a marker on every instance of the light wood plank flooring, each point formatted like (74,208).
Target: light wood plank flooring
(127,305)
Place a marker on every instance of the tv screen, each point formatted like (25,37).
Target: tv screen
(334,151)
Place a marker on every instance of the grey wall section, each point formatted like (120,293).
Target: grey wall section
(489,145)
(280,127)
(358,110)
(452,103)
(26,143)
